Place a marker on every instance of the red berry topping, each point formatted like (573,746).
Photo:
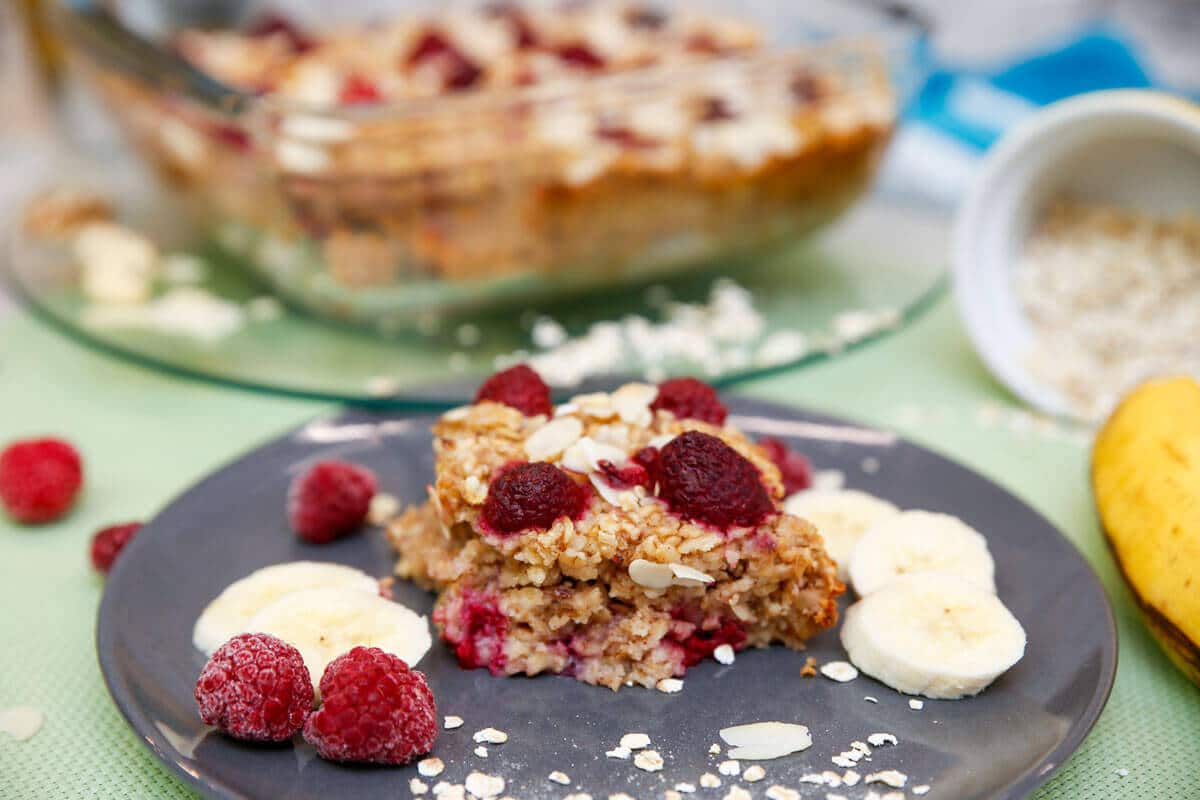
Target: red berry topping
(374,710)
(626,477)
(519,387)
(256,688)
(688,398)
(701,643)
(703,479)
(457,71)
(39,479)
(477,628)
(531,495)
(580,56)
(273,24)
(795,468)
(108,543)
(330,500)
(357,90)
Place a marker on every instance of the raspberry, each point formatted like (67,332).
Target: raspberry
(794,467)
(358,90)
(477,628)
(580,56)
(39,479)
(531,495)
(688,398)
(330,500)
(626,477)
(518,387)
(108,543)
(374,710)
(700,644)
(703,479)
(255,688)
(456,70)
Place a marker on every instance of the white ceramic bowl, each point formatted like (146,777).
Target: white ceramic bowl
(1136,149)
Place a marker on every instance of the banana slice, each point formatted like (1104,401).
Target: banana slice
(920,541)
(324,623)
(241,600)
(933,634)
(842,516)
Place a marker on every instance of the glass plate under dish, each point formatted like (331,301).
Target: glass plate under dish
(869,274)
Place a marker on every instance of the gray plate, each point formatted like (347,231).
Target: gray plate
(1001,744)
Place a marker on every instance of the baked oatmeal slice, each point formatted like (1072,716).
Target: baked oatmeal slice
(614,540)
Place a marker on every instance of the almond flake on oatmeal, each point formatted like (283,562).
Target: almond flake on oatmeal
(724,654)
(840,671)
(880,739)
(484,786)
(687,576)
(418,786)
(632,403)
(729,767)
(891,777)
(452,722)
(491,736)
(481,751)
(457,414)
(754,774)
(686,788)
(709,781)
(648,760)
(850,778)
(635,741)
(924,788)
(669,685)
(553,438)
(714,749)
(559,777)
(431,767)
(650,575)
(737,793)
(619,752)
(777,792)
(916,705)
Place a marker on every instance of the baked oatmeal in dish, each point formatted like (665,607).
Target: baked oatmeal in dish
(619,538)
(585,141)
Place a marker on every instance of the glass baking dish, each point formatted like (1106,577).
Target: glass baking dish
(385,212)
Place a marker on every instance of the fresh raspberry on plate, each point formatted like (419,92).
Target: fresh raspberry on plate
(703,479)
(39,479)
(108,543)
(330,500)
(688,398)
(518,387)
(795,469)
(255,688)
(531,495)
(374,710)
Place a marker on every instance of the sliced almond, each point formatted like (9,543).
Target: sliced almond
(484,786)
(632,403)
(648,760)
(688,576)
(840,671)
(762,741)
(597,405)
(651,575)
(635,741)
(553,438)
(618,498)
(585,455)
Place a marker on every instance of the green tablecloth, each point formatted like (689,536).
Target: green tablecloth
(146,437)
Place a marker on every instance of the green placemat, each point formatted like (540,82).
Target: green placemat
(145,438)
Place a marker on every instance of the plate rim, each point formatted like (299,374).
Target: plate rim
(1021,786)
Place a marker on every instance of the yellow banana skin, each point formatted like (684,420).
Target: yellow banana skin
(1146,484)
